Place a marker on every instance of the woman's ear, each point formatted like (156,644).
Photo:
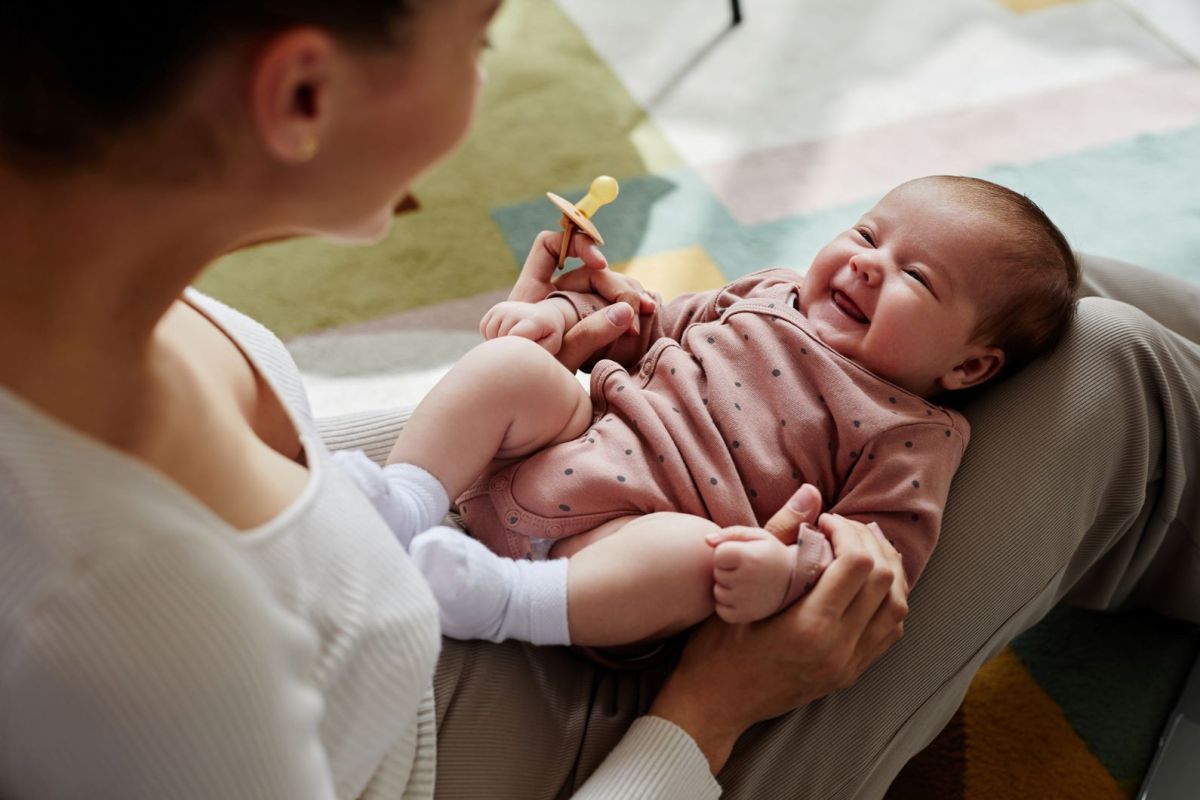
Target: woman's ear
(981,364)
(289,93)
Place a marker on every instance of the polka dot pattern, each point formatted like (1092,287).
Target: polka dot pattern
(875,438)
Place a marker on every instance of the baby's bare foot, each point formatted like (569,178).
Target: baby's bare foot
(751,575)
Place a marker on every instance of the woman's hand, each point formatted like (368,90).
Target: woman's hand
(597,330)
(732,676)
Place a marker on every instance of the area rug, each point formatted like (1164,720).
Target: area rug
(749,146)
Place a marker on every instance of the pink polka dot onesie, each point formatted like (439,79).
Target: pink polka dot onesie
(722,408)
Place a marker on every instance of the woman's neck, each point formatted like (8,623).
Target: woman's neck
(88,269)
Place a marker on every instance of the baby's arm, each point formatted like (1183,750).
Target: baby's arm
(670,319)
(901,480)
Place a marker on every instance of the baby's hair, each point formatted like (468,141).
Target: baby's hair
(1037,275)
(75,75)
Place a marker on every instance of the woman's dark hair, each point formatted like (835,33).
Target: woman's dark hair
(73,75)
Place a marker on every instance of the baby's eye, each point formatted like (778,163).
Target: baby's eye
(866,235)
(918,277)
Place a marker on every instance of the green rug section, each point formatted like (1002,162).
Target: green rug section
(1135,200)
(551,112)
(1115,677)
(1128,200)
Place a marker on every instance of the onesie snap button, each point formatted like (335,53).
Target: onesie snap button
(499,483)
(554,531)
(511,517)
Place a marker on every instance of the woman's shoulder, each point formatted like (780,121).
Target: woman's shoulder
(266,351)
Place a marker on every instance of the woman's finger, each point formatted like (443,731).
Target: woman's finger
(846,576)
(533,284)
(585,248)
(803,506)
(855,541)
(594,332)
(612,286)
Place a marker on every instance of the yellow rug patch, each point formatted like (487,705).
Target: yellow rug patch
(1024,6)
(675,272)
(1046,756)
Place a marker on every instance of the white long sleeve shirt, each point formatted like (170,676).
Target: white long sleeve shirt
(147,649)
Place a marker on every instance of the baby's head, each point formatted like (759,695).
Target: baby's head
(946,283)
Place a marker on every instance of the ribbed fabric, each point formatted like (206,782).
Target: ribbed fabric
(672,766)
(1080,482)
(149,650)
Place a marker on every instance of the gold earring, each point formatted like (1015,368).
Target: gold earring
(308,148)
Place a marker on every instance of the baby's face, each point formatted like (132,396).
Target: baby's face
(901,291)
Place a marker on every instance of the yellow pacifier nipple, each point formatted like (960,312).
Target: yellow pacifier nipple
(602,192)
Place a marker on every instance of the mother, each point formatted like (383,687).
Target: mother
(194,601)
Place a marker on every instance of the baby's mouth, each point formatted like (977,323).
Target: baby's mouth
(848,307)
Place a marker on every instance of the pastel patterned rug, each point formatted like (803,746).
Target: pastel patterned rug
(749,146)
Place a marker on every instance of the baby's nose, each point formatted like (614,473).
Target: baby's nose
(864,268)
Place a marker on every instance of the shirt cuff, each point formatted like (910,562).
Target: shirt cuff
(656,760)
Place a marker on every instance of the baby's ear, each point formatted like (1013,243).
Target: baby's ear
(981,364)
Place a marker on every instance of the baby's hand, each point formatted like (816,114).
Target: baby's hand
(544,322)
(751,573)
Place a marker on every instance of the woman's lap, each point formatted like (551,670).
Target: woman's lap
(1074,485)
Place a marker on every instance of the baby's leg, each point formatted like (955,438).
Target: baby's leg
(638,578)
(505,398)
(649,577)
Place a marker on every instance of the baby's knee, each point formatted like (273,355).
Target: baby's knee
(513,365)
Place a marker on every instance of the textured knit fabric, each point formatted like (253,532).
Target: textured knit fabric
(150,650)
(724,406)
(147,649)
(1080,483)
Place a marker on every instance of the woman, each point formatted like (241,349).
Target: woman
(194,600)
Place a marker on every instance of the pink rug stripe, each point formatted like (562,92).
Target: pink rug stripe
(790,181)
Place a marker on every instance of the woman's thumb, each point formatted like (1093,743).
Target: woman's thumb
(804,506)
(593,333)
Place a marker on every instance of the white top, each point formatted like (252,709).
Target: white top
(148,649)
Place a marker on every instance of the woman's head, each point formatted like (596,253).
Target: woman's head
(363,95)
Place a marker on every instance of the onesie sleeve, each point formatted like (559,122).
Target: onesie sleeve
(670,319)
(901,481)
(166,671)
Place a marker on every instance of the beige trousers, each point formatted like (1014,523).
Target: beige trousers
(1075,486)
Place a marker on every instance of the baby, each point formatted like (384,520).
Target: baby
(595,510)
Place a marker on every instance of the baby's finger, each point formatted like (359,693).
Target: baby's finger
(736,533)
(724,596)
(493,326)
(526,329)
